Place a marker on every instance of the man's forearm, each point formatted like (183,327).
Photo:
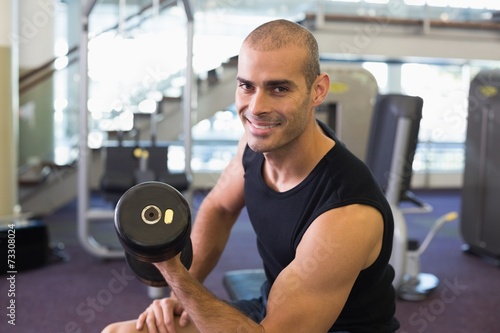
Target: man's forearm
(209,236)
(208,313)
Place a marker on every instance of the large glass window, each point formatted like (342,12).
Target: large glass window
(444,90)
(380,72)
(445,95)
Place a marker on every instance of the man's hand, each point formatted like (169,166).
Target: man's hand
(159,316)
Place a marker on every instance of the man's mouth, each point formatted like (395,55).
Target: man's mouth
(262,124)
(263,127)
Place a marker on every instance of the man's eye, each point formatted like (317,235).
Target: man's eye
(245,86)
(280,89)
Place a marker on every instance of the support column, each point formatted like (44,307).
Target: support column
(9,107)
(36,47)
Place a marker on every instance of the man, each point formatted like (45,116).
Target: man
(324,229)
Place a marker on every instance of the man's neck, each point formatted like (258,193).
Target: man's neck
(285,169)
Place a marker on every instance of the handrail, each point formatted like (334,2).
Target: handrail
(35,76)
(44,66)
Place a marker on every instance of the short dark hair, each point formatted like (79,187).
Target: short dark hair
(280,33)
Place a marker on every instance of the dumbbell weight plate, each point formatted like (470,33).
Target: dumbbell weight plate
(149,274)
(153,222)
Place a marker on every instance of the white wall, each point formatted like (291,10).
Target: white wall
(350,40)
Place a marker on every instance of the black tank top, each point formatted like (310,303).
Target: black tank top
(280,219)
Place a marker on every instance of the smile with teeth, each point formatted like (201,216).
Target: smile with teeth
(261,125)
(264,127)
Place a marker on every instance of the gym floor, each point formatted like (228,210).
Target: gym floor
(84,293)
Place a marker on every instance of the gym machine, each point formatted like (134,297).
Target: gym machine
(86,214)
(479,226)
(349,105)
(395,126)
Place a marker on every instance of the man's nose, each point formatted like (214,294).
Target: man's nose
(259,103)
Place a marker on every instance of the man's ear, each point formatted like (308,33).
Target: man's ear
(320,89)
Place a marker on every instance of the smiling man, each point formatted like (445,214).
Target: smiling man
(324,228)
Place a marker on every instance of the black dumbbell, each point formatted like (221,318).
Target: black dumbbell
(153,224)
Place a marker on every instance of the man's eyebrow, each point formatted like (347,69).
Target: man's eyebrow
(270,83)
(242,80)
(284,82)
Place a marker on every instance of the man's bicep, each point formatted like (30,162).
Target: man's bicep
(313,289)
(301,301)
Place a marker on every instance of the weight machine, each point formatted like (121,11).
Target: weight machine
(392,144)
(85,213)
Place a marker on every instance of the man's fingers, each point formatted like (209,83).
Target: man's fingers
(184,319)
(151,323)
(139,324)
(159,317)
(167,307)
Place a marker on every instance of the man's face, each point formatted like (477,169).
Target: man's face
(272,98)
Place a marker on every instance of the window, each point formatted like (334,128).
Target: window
(445,90)
(445,95)
(380,72)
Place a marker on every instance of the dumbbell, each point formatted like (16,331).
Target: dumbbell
(153,223)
